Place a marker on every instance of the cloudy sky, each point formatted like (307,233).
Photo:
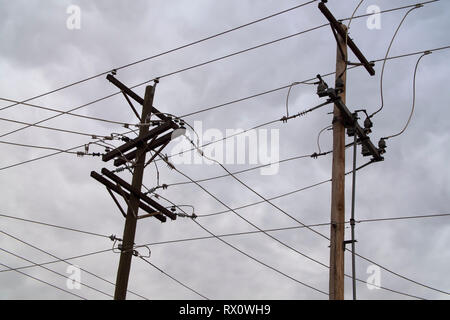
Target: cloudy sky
(40,53)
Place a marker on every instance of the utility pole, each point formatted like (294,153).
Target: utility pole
(129,232)
(343,119)
(336,283)
(134,151)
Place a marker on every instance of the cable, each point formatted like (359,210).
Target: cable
(55,226)
(289,92)
(290,216)
(57,273)
(235,101)
(53,256)
(243,171)
(278,271)
(385,59)
(255,259)
(174,279)
(58,260)
(38,147)
(67,113)
(167,75)
(161,54)
(171,73)
(414,100)
(48,155)
(47,283)
(318,137)
(54,129)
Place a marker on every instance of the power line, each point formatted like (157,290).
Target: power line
(387,53)
(54,129)
(66,113)
(169,74)
(253,258)
(290,216)
(174,279)
(45,282)
(56,226)
(51,154)
(53,256)
(228,103)
(274,269)
(58,260)
(413,103)
(57,273)
(161,54)
(247,170)
(291,228)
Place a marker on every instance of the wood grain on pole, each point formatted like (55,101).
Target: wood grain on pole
(336,283)
(129,232)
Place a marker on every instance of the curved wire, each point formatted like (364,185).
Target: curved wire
(413,102)
(385,58)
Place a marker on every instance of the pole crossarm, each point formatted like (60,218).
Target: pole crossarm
(139,100)
(336,25)
(163,140)
(139,194)
(139,141)
(350,121)
(111,186)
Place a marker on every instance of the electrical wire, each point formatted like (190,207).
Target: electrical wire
(162,53)
(54,256)
(290,216)
(54,129)
(171,73)
(212,235)
(57,273)
(57,261)
(174,279)
(229,103)
(45,282)
(55,226)
(166,75)
(413,102)
(243,171)
(318,137)
(289,92)
(385,59)
(67,113)
(255,259)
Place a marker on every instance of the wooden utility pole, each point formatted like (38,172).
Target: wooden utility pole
(336,282)
(133,204)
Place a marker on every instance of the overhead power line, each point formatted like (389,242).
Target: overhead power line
(45,282)
(385,58)
(252,257)
(67,113)
(290,216)
(61,260)
(175,72)
(413,101)
(279,271)
(161,54)
(57,273)
(55,226)
(228,103)
(173,278)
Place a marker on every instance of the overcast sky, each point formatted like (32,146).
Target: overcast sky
(39,53)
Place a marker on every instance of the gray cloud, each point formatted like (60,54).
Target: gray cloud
(39,54)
